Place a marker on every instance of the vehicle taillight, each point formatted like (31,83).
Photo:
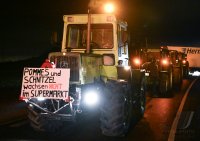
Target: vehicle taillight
(165,62)
(137,61)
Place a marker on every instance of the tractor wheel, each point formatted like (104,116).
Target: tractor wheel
(165,84)
(117,110)
(42,124)
(178,77)
(185,72)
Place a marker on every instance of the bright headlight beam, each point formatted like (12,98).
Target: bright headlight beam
(91,98)
(196,73)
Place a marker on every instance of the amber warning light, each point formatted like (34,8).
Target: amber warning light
(184,61)
(137,61)
(109,8)
(165,62)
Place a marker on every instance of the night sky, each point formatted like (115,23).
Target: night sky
(26,26)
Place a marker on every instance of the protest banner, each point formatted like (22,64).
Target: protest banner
(52,83)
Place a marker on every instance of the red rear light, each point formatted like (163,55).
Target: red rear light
(165,62)
(137,61)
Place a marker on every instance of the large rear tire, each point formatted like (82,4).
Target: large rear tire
(177,77)
(165,84)
(116,112)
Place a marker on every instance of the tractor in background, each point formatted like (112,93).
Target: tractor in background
(164,69)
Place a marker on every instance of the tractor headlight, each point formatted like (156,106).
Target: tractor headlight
(91,98)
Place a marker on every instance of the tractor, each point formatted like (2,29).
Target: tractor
(101,78)
(164,69)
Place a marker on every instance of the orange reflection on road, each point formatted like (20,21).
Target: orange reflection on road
(158,113)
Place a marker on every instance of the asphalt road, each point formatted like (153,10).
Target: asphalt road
(188,128)
(154,126)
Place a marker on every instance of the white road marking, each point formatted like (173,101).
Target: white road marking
(178,114)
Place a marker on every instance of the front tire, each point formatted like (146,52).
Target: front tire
(116,112)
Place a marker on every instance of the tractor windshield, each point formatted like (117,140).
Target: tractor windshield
(101,36)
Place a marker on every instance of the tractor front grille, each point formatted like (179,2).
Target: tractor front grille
(68,61)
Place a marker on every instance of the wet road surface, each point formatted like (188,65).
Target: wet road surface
(154,126)
(188,128)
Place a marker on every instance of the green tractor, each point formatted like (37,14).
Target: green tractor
(101,78)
